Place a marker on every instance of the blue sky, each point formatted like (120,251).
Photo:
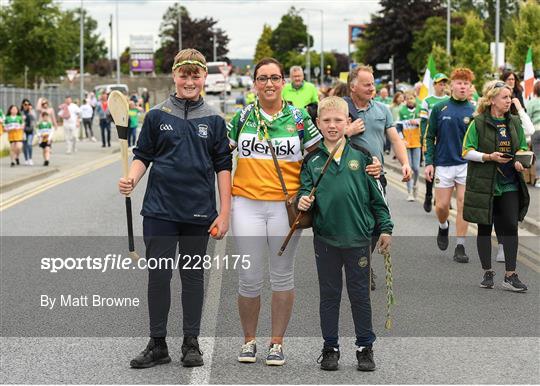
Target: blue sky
(242,20)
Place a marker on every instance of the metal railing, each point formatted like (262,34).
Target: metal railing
(14,96)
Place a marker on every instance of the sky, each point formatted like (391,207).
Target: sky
(241,20)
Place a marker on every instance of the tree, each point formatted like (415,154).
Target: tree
(472,50)
(441,59)
(362,47)
(390,32)
(33,34)
(263,49)
(433,32)
(124,61)
(289,36)
(94,44)
(342,63)
(526,34)
(196,33)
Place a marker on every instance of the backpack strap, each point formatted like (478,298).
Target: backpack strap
(353,113)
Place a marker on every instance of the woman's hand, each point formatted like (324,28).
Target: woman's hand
(519,167)
(517,103)
(305,203)
(126,186)
(374,169)
(497,156)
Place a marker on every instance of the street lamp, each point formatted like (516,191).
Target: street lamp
(117,47)
(322,37)
(81,55)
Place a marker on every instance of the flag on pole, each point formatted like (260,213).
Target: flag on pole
(528,75)
(427,83)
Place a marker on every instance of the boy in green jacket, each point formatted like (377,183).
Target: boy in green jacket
(349,205)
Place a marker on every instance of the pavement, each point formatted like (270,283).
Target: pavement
(531,221)
(87,152)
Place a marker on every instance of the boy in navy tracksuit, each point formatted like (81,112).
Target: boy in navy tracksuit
(348,204)
(186,143)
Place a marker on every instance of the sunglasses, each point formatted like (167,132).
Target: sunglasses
(499,85)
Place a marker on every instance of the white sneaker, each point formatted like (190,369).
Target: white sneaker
(537,183)
(93,139)
(410,198)
(30,162)
(500,256)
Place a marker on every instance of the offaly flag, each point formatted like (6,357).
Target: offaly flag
(528,75)
(427,83)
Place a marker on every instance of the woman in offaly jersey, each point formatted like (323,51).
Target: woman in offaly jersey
(13,124)
(259,218)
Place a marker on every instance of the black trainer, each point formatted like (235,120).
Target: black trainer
(442,238)
(17,161)
(153,354)
(364,355)
(512,283)
(46,163)
(191,353)
(373,277)
(488,280)
(329,358)
(459,254)
(427,204)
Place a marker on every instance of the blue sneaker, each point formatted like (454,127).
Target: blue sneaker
(248,352)
(275,355)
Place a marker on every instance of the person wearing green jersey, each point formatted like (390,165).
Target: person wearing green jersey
(383,96)
(533,109)
(495,191)
(1,120)
(134,112)
(347,207)
(13,124)
(299,93)
(45,133)
(440,83)
(408,128)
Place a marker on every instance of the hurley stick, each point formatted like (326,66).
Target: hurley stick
(311,194)
(119,109)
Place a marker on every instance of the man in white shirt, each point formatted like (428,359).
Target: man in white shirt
(70,113)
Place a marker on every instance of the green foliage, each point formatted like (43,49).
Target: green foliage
(362,47)
(442,60)
(526,32)
(472,50)
(263,49)
(196,33)
(433,32)
(391,32)
(289,36)
(33,34)
(124,61)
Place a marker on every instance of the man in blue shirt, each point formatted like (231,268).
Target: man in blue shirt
(447,125)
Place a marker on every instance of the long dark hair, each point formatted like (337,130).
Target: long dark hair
(517,87)
(265,61)
(25,100)
(12,106)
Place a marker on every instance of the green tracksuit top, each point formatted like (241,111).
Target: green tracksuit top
(348,203)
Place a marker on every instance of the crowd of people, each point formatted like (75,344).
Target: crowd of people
(282,141)
(29,126)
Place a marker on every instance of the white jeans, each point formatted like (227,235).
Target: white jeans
(259,227)
(70,134)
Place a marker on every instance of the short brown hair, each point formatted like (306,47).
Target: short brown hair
(353,74)
(462,73)
(264,62)
(189,54)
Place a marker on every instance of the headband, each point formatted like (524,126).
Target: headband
(184,62)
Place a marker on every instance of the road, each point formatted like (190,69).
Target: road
(446,328)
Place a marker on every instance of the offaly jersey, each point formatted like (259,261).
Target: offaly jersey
(44,130)
(291,131)
(428,103)
(14,126)
(410,126)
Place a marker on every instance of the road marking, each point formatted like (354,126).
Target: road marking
(8,203)
(526,255)
(201,375)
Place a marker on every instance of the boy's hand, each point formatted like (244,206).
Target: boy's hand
(428,173)
(385,241)
(374,169)
(356,127)
(126,186)
(305,203)
(222,224)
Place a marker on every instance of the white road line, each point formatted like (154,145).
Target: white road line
(201,375)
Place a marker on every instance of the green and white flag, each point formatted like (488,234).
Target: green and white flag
(427,83)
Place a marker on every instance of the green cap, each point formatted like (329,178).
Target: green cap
(438,77)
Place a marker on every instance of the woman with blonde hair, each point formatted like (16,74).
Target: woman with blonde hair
(496,194)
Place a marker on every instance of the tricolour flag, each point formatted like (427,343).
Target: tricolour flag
(528,77)
(427,83)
